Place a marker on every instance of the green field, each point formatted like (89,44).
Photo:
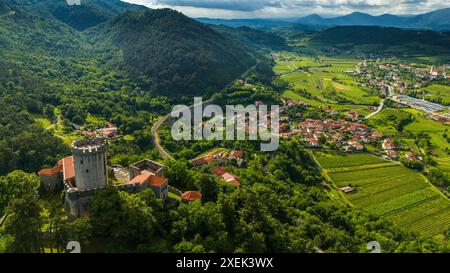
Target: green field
(329,161)
(324,78)
(389,190)
(438,92)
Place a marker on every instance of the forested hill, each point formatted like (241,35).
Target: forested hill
(416,41)
(253,38)
(115,71)
(80,17)
(171,54)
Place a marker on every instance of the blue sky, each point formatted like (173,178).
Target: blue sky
(292,8)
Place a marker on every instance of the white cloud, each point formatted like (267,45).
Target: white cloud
(73,2)
(291,8)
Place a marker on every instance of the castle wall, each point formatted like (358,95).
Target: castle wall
(51,183)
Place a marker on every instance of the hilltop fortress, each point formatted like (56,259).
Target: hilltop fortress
(86,171)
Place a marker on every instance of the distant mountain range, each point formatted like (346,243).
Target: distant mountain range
(436,20)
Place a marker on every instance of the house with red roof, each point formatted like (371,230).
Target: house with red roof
(226,176)
(388,145)
(190,196)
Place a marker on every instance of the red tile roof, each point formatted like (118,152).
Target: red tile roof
(68,168)
(158,181)
(141,178)
(203,160)
(237,154)
(148,177)
(50,171)
(191,196)
(108,133)
(226,176)
(218,171)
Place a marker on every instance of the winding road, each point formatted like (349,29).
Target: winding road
(380,108)
(155,137)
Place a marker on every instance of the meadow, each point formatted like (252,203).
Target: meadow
(324,78)
(390,191)
(437,92)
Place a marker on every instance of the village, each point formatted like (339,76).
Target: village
(402,84)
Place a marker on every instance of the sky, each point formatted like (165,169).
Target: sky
(234,9)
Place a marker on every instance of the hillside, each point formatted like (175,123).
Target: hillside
(170,54)
(383,38)
(80,17)
(253,38)
(263,24)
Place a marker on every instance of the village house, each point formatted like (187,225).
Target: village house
(226,176)
(236,154)
(203,160)
(393,155)
(191,196)
(388,145)
(411,156)
(356,145)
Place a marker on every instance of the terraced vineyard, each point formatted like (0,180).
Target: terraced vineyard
(389,190)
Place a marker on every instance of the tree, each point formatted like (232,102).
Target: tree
(123,216)
(64,231)
(16,185)
(178,173)
(106,209)
(208,187)
(24,222)
(137,220)
(437,177)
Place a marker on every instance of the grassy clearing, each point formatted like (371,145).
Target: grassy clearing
(438,92)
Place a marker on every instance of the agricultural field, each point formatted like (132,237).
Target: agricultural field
(324,78)
(332,161)
(390,191)
(437,92)
(386,121)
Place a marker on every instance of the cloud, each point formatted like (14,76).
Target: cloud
(237,5)
(291,8)
(73,2)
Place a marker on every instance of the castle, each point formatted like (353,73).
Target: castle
(86,171)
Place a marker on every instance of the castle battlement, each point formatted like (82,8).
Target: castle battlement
(88,146)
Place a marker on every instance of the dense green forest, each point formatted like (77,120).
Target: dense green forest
(385,39)
(199,61)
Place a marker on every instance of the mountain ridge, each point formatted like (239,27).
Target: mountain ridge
(436,20)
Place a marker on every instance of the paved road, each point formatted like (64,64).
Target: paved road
(380,108)
(155,138)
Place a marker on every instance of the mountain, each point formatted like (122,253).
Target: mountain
(252,38)
(80,17)
(374,39)
(263,24)
(437,20)
(170,53)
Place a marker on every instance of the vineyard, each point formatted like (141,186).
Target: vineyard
(389,190)
(329,161)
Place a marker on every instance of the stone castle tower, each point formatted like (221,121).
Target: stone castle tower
(89,159)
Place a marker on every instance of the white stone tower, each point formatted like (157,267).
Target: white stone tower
(89,159)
